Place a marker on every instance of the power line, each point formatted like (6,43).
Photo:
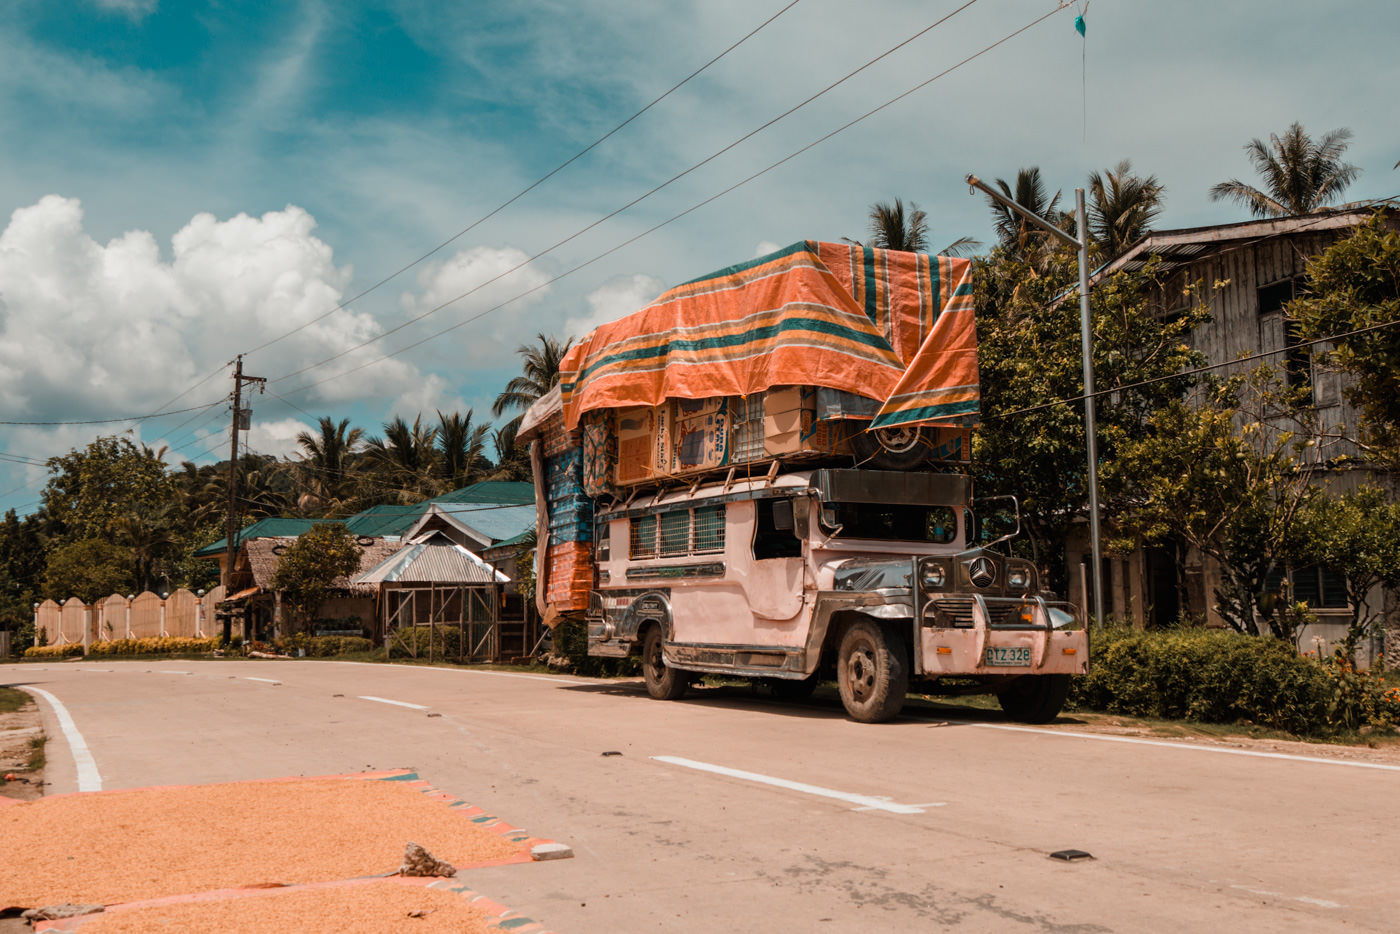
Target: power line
(507,203)
(108,421)
(674,178)
(670,220)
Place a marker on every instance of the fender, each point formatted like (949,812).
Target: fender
(876,605)
(613,629)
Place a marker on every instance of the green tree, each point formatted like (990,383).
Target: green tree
(1300,175)
(89,569)
(326,462)
(894,228)
(1122,207)
(403,464)
(1354,285)
(1032,444)
(21,571)
(462,449)
(1355,535)
(540,374)
(307,571)
(87,490)
(1017,237)
(1227,473)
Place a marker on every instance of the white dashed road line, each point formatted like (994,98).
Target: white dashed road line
(862,802)
(396,703)
(264,680)
(89,779)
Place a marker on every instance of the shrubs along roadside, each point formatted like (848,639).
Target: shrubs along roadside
(313,646)
(1215,676)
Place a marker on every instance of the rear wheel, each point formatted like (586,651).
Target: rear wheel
(663,681)
(872,673)
(1035,698)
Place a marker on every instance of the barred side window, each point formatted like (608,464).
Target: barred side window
(675,533)
(709,530)
(643,537)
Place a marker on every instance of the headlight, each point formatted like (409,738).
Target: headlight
(932,577)
(1018,579)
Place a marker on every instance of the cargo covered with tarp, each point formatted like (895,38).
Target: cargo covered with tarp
(889,326)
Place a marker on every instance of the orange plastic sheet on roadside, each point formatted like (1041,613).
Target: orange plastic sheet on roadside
(886,325)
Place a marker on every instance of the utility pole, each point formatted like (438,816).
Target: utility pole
(242,421)
(1080,243)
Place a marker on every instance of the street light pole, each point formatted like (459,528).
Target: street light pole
(1080,243)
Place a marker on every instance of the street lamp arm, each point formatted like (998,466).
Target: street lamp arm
(1036,219)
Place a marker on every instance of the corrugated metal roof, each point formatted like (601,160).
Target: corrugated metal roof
(496,523)
(434,561)
(495,492)
(273,527)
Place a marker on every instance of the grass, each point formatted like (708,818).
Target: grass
(36,752)
(12,699)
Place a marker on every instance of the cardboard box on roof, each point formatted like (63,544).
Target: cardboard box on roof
(643,444)
(701,436)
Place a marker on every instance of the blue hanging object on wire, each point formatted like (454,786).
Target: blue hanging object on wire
(1079,24)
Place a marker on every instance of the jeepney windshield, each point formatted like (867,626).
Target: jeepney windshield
(899,522)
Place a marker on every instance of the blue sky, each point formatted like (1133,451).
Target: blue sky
(184,181)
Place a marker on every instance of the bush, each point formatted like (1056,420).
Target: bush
(1214,676)
(423,641)
(324,646)
(169,645)
(54,651)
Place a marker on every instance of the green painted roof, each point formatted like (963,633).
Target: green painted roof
(498,492)
(275,527)
(394,519)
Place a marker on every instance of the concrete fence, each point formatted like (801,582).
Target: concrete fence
(140,616)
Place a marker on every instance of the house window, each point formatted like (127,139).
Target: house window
(1297,361)
(1318,587)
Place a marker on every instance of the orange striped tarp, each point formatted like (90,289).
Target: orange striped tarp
(891,326)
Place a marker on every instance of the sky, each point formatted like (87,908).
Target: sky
(342,191)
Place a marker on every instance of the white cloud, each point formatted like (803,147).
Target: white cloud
(278,438)
(615,298)
(91,330)
(480,285)
(764,248)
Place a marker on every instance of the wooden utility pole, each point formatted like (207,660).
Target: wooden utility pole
(242,421)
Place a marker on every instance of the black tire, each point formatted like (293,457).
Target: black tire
(872,672)
(789,690)
(1035,698)
(663,681)
(901,448)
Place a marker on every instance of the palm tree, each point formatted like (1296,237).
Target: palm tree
(892,228)
(1122,207)
(1301,175)
(1016,235)
(403,461)
(327,458)
(541,372)
(462,449)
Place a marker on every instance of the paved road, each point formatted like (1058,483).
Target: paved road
(818,824)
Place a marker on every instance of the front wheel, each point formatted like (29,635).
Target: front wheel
(872,673)
(1035,698)
(663,681)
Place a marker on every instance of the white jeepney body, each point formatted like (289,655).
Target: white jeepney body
(759,577)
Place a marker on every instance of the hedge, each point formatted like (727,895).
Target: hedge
(170,645)
(1214,676)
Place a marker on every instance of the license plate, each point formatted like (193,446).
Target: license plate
(1008,656)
